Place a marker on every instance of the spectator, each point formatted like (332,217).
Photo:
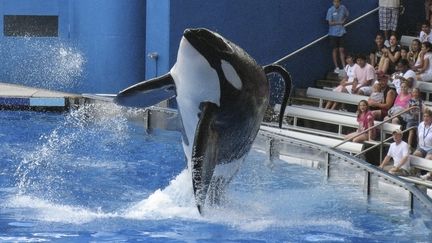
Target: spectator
(425,33)
(412,118)
(380,110)
(414,52)
(404,52)
(376,94)
(403,73)
(388,17)
(401,103)
(428,9)
(424,70)
(336,17)
(424,147)
(349,78)
(364,75)
(365,120)
(399,151)
(424,136)
(391,56)
(376,53)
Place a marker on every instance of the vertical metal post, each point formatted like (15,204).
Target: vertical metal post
(411,201)
(381,142)
(328,165)
(367,182)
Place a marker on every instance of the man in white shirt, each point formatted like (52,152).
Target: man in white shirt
(399,151)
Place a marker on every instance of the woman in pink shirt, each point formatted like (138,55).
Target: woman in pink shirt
(401,103)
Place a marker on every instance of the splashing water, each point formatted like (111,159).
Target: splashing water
(93,176)
(41,170)
(50,64)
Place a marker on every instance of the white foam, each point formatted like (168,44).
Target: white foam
(176,200)
(51,212)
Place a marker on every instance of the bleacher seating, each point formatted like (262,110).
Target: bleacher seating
(339,97)
(406,40)
(422,164)
(350,147)
(301,112)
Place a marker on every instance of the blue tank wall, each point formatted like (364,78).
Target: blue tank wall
(268,30)
(100,48)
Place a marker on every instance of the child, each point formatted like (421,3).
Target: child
(365,120)
(336,17)
(404,52)
(425,33)
(347,78)
(412,118)
(376,94)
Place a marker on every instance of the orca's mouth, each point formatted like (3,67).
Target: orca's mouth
(206,39)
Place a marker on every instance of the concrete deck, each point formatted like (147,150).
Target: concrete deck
(13,96)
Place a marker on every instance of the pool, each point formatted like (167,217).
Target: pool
(78,177)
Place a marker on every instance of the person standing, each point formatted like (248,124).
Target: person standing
(388,17)
(399,151)
(336,18)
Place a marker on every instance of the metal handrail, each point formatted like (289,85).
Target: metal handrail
(323,37)
(378,125)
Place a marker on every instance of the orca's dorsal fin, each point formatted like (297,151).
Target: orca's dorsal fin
(275,68)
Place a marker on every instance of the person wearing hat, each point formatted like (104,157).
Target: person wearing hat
(399,151)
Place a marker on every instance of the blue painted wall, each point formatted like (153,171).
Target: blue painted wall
(104,45)
(100,48)
(269,30)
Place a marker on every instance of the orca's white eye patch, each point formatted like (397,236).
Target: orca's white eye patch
(231,75)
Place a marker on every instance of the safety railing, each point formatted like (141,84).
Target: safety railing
(382,137)
(323,37)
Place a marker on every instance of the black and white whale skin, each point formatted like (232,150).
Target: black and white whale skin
(222,95)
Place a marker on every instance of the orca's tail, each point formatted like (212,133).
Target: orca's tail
(274,68)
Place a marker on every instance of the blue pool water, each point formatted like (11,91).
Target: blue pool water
(76,177)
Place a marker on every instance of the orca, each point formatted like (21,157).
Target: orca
(222,95)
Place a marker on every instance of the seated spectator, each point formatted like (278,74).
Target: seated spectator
(380,110)
(376,53)
(348,78)
(424,70)
(414,52)
(425,33)
(403,73)
(399,151)
(401,103)
(412,118)
(364,75)
(376,94)
(365,120)
(391,56)
(404,52)
(424,136)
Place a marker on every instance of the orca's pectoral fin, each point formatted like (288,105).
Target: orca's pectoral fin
(204,153)
(147,93)
(274,68)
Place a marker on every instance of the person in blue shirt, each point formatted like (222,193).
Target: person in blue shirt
(336,17)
